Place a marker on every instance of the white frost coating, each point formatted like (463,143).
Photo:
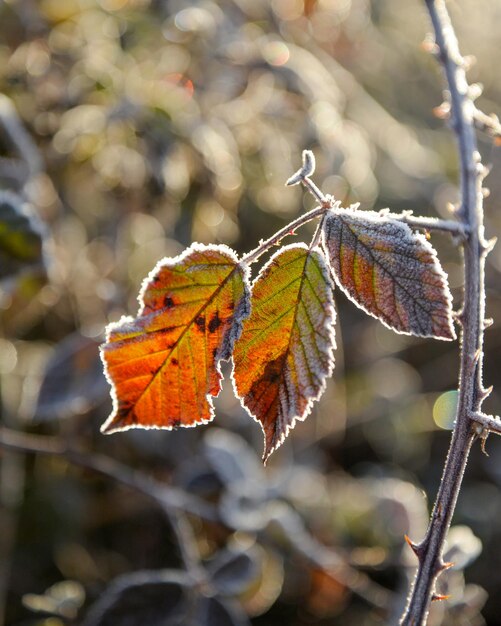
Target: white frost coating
(308,163)
(309,357)
(295,179)
(410,291)
(176,260)
(307,169)
(125,323)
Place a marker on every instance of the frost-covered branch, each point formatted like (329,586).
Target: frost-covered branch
(433,224)
(302,176)
(487,423)
(472,320)
(487,123)
(275,239)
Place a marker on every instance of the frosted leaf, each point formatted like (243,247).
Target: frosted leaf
(285,351)
(390,272)
(164,365)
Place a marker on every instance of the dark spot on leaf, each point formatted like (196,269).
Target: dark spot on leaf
(124,406)
(168,302)
(174,362)
(215,322)
(273,370)
(125,412)
(175,424)
(200,322)
(214,353)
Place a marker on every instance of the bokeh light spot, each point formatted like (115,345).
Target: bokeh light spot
(444,409)
(8,356)
(276,53)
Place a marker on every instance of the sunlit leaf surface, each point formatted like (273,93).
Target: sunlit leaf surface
(163,365)
(285,351)
(390,272)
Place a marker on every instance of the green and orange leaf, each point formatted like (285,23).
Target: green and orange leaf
(390,272)
(164,365)
(285,351)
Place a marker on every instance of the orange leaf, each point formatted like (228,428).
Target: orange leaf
(390,272)
(164,365)
(285,351)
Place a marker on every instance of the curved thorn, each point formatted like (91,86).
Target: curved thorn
(415,547)
(437,597)
(488,322)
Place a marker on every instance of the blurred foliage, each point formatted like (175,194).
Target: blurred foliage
(129,128)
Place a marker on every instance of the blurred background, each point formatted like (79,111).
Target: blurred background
(129,129)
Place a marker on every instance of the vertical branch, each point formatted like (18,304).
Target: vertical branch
(471,318)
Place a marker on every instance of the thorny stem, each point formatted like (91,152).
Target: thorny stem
(275,239)
(317,234)
(486,424)
(471,391)
(432,223)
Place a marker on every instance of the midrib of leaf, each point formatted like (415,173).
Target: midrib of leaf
(394,278)
(287,350)
(183,333)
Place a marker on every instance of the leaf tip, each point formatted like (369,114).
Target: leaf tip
(446,331)
(110,426)
(269,449)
